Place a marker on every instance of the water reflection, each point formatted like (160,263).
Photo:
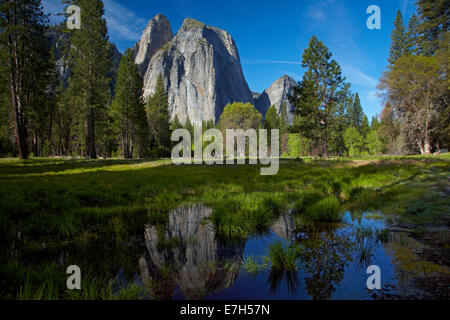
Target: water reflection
(284,227)
(276,278)
(187,253)
(325,253)
(331,258)
(184,258)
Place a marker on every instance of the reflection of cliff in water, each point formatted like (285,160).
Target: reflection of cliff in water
(187,253)
(284,227)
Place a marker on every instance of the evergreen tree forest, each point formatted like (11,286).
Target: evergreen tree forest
(415,118)
(98,111)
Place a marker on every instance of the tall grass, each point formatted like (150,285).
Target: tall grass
(283,258)
(325,210)
(382,235)
(252,266)
(94,288)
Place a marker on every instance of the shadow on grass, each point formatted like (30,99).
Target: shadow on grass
(13,167)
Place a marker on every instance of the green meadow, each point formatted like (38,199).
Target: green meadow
(47,204)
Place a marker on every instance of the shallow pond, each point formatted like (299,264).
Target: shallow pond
(196,264)
(184,258)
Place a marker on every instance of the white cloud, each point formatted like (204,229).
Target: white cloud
(358,77)
(123,23)
(335,25)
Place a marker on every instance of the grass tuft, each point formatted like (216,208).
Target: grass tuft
(325,210)
(283,258)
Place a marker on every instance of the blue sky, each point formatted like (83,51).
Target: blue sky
(272,35)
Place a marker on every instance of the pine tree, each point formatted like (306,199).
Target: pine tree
(142,132)
(158,117)
(398,39)
(271,122)
(189,126)
(90,59)
(339,120)
(66,122)
(175,124)
(128,106)
(24,57)
(413,37)
(43,111)
(373,143)
(284,129)
(434,25)
(284,120)
(355,114)
(353,141)
(306,108)
(209,124)
(375,123)
(365,126)
(316,101)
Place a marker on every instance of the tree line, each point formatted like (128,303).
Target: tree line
(416,116)
(91,111)
(96,111)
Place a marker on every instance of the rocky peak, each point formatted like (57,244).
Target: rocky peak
(190,23)
(275,95)
(202,72)
(157,33)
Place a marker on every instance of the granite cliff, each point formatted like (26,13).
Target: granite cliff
(200,67)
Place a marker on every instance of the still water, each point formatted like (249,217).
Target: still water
(184,258)
(189,261)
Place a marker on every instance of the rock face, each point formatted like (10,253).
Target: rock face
(275,95)
(157,33)
(200,263)
(201,70)
(284,227)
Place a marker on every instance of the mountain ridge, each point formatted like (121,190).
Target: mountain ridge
(201,70)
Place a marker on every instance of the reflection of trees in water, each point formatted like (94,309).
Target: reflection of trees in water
(324,254)
(187,253)
(277,277)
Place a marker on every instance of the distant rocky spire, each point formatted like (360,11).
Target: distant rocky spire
(157,33)
(275,95)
